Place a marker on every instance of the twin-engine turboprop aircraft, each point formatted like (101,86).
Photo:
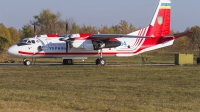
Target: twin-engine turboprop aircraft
(81,46)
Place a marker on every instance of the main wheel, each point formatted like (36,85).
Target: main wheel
(97,61)
(102,62)
(67,62)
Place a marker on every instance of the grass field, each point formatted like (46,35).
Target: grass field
(99,89)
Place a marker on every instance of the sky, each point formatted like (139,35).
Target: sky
(97,13)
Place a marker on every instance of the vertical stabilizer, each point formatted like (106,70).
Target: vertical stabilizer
(157,29)
(160,24)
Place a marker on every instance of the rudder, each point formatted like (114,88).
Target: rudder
(160,24)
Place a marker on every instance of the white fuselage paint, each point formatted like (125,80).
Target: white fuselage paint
(53,48)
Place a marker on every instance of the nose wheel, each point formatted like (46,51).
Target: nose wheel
(26,62)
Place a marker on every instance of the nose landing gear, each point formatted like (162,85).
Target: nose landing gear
(26,62)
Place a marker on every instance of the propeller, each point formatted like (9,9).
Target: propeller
(39,48)
(67,42)
(66,28)
(68,39)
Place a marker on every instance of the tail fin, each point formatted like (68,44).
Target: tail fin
(160,24)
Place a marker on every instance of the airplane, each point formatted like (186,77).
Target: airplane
(81,46)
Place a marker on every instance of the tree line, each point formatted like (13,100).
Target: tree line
(47,23)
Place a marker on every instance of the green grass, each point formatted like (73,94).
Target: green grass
(101,89)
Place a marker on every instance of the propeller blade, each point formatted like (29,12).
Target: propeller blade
(66,27)
(67,47)
(34,30)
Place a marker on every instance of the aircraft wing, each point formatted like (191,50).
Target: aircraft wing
(108,36)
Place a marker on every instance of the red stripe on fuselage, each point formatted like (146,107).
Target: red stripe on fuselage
(63,53)
(26,53)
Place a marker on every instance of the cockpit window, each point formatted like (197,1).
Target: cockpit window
(33,41)
(26,42)
(29,42)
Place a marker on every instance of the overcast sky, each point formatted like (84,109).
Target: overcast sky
(16,13)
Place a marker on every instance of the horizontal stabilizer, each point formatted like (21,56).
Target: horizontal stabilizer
(177,35)
(183,33)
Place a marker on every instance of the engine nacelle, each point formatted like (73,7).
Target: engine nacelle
(107,44)
(101,45)
(90,45)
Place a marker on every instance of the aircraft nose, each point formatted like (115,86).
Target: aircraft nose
(13,50)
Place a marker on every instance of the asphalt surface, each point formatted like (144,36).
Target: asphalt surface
(82,64)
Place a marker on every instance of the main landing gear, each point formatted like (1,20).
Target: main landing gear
(67,62)
(100,61)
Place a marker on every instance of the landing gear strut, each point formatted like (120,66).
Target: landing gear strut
(67,62)
(26,62)
(100,60)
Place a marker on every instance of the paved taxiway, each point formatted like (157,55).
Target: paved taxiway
(82,64)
